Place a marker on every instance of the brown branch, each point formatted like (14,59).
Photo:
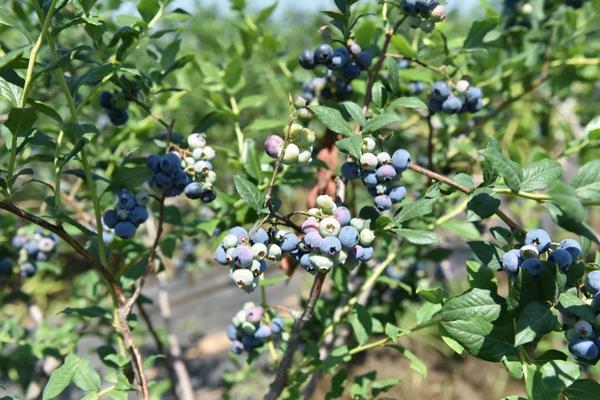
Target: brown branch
(375,71)
(281,377)
(430,141)
(443,179)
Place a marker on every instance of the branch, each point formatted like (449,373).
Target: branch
(280,380)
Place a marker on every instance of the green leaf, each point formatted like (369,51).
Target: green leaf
(361,324)
(475,303)
(587,181)
(251,160)
(401,46)
(478,31)
(264,124)
(391,331)
(432,295)
(249,192)
(61,377)
(558,375)
(482,204)
(481,277)
(414,210)
(355,112)
(233,72)
(583,389)
(383,385)
(566,198)
(535,320)
(332,119)
(86,378)
(508,169)
(481,338)
(576,306)
(351,146)
(415,363)
(380,121)
(409,102)
(10,92)
(148,9)
(20,120)
(540,174)
(417,236)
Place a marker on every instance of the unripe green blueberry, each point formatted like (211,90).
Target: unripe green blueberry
(526,9)
(291,154)
(230,241)
(202,166)
(321,262)
(239,317)
(255,268)
(274,252)
(260,251)
(368,161)
(329,227)
(197,154)
(462,86)
(208,153)
(358,223)
(315,212)
(247,327)
(300,102)
(384,158)
(529,251)
(427,25)
(210,177)
(305,157)
(188,162)
(196,140)
(341,257)
(293,129)
(367,237)
(304,114)
(368,144)
(242,277)
(326,203)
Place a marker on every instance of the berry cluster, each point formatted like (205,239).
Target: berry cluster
(250,329)
(115,106)
(129,213)
(468,98)
(247,254)
(298,150)
(584,336)
(186,171)
(33,247)
(538,242)
(424,13)
(378,172)
(333,237)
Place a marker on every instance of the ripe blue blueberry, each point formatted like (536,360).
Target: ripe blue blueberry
(367,254)
(260,236)
(473,94)
(401,160)
(539,238)
(397,194)
(351,70)
(562,258)
(277,325)
(117,117)
(383,202)
(5,265)
(221,256)
(511,261)
(125,230)
(313,239)
(153,163)
(350,171)
(349,237)
(533,266)
(273,145)
(28,270)
(290,242)
(126,199)
(194,190)
(386,173)
(239,232)
(452,105)
(208,196)
(237,347)
(232,332)
(263,332)
(138,215)
(106,100)
(110,219)
(584,349)
(572,246)
(592,282)
(369,178)
(366,58)
(170,163)
(242,256)
(323,54)
(440,91)
(342,214)
(307,59)
(330,246)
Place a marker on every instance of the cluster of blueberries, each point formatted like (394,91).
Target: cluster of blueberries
(190,172)
(332,237)
(467,99)
(298,150)
(129,213)
(32,247)
(537,243)
(378,173)
(249,329)
(335,68)
(115,106)
(424,13)
(246,253)
(583,336)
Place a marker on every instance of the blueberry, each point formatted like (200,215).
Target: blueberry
(401,160)
(28,270)
(31,248)
(260,236)
(383,202)
(330,246)
(475,106)
(138,215)
(142,199)
(313,239)
(307,59)
(572,246)
(254,314)
(339,59)
(592,282)
(511,261)
(243,278)
(539,238)
(117,117)
(368,161)
(277,325)
(342,214)
(170,163)
(397,194)
(208,196)
(242,256)
(329,227)
(367,254)
(321,262)
(125,230)
(366,58)
(110,219)
(273,145)
(126,199)
(583,328)
(440,91)
(239,232)
(237,347)
(562,258)
(452,105)
(385,173)
(350,171)
(349,237)
(369,178)
(232,332)
(172,191)
(153,163)
(194,190)
(106,100)
(323,54)
(221,256)
(473,95)
(409,6)
(434,105)
(425,6)
(533,266)
(19,241)
(5,265)
(122,213)
(289,242)
(351,70)
(583,348)
(181,180)
(263,332)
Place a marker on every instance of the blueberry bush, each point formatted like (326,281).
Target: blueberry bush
(368,145)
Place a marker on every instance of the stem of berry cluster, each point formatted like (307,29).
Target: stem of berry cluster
(281,377)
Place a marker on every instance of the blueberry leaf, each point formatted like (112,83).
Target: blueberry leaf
(482,204)
(351,146)
(355,112)
(332,119)
(583,389)
(380,121)
(249,192)
(540,175)
(508,169)
(61,377)
(535,319)
(587,181)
